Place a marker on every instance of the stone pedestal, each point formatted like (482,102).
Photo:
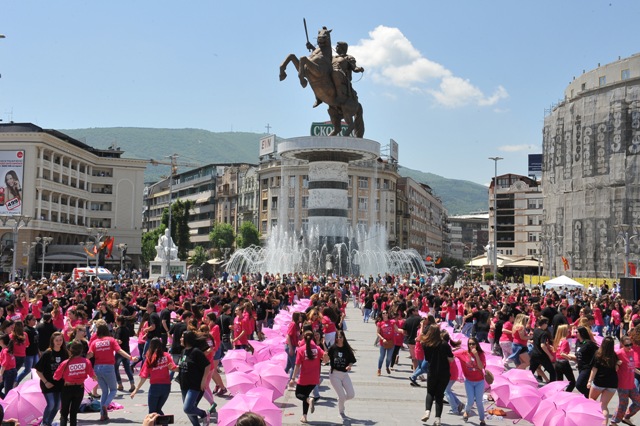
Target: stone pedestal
(158,269)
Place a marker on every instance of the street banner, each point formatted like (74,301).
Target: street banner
(12,175)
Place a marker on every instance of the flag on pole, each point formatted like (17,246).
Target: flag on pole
(632,269)
(565,263)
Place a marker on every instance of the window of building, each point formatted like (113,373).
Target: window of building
(263,226)
(602,80)
(363,182)
(583,87)
(349,202)
(265,202)
(305,201)
(305,181)
(292,202)
(291,225)
(305,225)
(292,181)
(625,74)
(350,181)
(534,203)
(274,223)
(274,203)
(533,236)
(362,203)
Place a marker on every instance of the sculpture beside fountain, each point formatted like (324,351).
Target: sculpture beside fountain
(166,261)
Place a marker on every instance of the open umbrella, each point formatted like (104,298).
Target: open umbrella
(133,345)
(551,389)
(270,332)
(239,382)
(89,384)
(272,376)
(280,358)
(500,390)
(237,360)
(240,404)
(547,413)
(524,400)
(581,412)
(24,403)
(261,392)
(521,377)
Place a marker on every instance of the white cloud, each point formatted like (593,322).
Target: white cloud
(516,148)
(390,58)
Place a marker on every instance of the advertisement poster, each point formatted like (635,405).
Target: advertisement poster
(11,175)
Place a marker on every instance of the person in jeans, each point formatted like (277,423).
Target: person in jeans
(156,368)
(473,361)
(194,371)
(45,368)
(103,349)
(73,372)
(387,330)
(8,371)
(454,401)
(31,354)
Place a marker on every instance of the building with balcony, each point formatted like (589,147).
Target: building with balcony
(68,187)
(591,158)
(425,220)
(519,215)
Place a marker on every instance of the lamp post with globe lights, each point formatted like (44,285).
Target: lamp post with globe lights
(44,242)
(19,221)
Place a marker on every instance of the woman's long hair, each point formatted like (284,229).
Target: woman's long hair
(345,344)
(6,340)
(155,352)
(18,334)
(606,354)
(308,338)
(432,337)
(561,333)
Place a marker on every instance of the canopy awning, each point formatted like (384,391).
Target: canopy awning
(524,263)
(481,261)
(562,281)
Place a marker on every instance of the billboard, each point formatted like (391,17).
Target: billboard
(267,145)
(535,165)
(12,175)
(323,129)
(393,150)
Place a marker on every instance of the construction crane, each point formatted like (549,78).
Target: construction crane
(173,163)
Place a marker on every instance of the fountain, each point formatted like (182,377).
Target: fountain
(330,245)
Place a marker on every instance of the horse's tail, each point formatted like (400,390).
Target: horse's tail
(358,121)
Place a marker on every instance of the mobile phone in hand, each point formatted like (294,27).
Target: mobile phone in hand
(164,419)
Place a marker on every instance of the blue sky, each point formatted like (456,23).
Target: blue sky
(453,82)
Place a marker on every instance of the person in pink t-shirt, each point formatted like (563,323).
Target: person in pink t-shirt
(156,368)
(562,351)
(627,366)
(308,358)
(74,371)
(103,348)
(8,371)
(473,362)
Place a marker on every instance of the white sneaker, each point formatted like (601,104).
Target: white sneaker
(426,416)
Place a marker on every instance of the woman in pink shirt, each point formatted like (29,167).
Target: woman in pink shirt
(563,354)
(387,330)
(103,349)
(506,338)
(308,358)
(627,366)
(473,362)
(156,368)
(73,371)
(20,341)
(8,371)
(36,306)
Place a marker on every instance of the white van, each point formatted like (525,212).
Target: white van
(90,273)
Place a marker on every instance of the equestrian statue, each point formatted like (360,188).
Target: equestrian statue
(330,79)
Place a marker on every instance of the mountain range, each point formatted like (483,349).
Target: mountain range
(197,147)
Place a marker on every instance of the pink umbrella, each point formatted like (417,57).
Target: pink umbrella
(24,403)
(240,404)
(239,382)
(272,376)
(486,347)
(89,384)
(133,345)
(500,391)
(551,389)
(237,360)
(280,359)
(261,392)
(524,400)
(547,414)
(521,377)
(581,412)
(270,332)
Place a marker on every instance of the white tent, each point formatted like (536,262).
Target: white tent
(561,282)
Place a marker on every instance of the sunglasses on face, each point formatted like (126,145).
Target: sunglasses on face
(628,345)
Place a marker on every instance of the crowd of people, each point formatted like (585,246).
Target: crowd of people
(67,331)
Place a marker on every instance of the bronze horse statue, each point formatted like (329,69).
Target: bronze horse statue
(317,69)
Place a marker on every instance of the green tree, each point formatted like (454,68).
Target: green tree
(149,242)
(199,256)
(248,235)
(222,236)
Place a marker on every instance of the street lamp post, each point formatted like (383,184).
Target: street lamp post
(26,247)
(495,216)
(96,234)
(44,242)
(122,248)
(626,236)
(19,221)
